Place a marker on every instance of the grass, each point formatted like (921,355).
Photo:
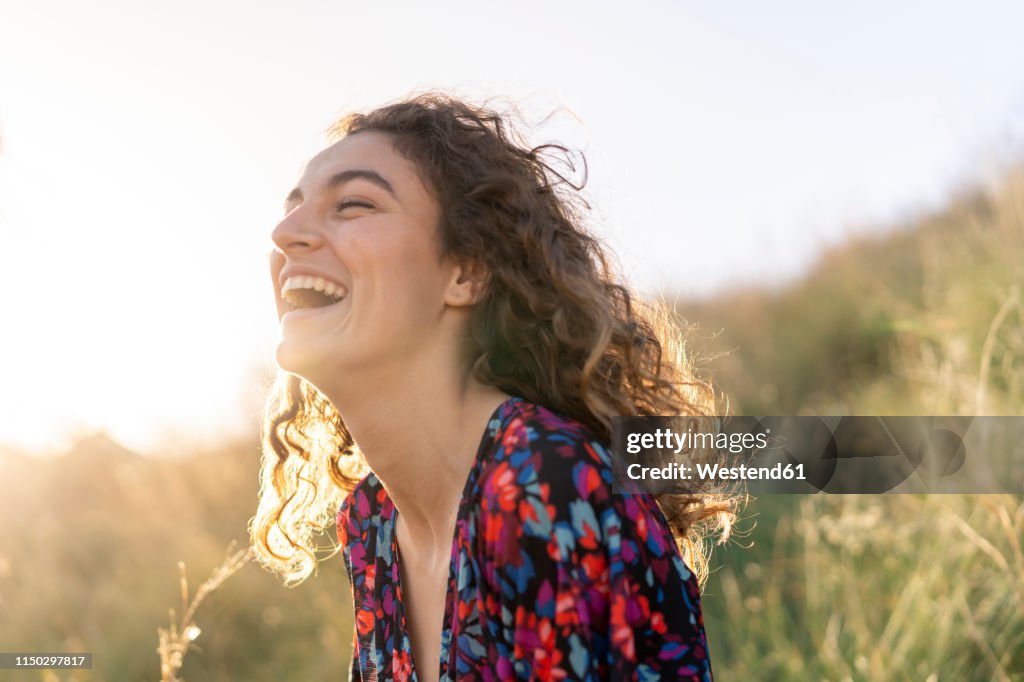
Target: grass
(870,587)
(89,561)
(927,319)
(176,640)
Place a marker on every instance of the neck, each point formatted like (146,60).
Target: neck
(419,428)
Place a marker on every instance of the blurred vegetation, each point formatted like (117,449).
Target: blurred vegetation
(925,319)
(89,562)
(895,323)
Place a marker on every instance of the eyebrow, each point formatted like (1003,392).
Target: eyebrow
(343,177)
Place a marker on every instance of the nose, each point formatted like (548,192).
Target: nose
(296,233)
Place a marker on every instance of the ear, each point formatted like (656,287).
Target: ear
(467,284)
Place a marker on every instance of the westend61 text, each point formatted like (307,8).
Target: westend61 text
(716,472)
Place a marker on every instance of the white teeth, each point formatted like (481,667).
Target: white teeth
(317,284)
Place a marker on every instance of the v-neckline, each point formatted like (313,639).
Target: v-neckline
(451,587)
(449,596)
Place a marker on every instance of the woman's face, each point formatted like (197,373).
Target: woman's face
(358,275)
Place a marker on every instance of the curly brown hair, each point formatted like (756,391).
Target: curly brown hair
(555,326)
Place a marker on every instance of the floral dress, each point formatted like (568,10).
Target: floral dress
(552,577)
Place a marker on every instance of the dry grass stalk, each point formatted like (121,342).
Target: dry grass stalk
(1011,302)
(175,640)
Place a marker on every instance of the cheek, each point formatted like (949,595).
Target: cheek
(391,263)
(402,265)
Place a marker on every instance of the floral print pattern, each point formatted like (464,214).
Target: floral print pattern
(552,577)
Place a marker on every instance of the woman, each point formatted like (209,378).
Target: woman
(455,347)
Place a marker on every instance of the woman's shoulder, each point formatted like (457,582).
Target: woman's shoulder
(550,478)
(533,440)
(544,465)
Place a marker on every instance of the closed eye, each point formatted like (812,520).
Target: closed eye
(353,203)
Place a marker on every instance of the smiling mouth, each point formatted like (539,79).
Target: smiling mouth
(311,292)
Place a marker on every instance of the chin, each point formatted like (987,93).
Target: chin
(319,369)
(297,360)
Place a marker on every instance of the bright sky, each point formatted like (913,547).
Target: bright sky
(146,150)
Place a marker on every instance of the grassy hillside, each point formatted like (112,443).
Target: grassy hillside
(89,562)
(922,319)
(926,319)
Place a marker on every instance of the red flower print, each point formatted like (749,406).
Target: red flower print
(555,578)
(364,622)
